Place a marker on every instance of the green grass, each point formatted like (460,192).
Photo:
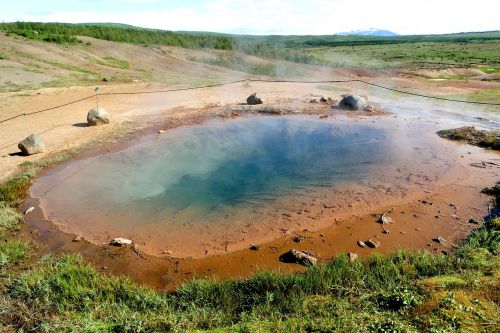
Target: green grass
(111,62)
(72,68)
(402,292)
(12,252)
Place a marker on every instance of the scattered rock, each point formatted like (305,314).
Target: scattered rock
(97,116)
(254,247)
(104,80)
(119,241)
(372,243)
(361,244)
(298,239)
(78,238)
(29,210)
(33,144)
(298,257)
(473,221)
(167,252)
(439,240)
(313,101)
(323,116)
(384,219)
(385,231)
(253,99)
(353,103)
(352,256)
(323,100)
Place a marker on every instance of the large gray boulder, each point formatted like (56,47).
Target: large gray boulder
(97,116)
(353,103)
(253,99)
(33,144)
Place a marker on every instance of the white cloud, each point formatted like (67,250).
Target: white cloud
(299,17)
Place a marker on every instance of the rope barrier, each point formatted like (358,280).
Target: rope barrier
(252,80)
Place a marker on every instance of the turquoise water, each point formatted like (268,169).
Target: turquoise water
(232,163)
(234,172)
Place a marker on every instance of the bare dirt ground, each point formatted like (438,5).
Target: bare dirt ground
(446,211)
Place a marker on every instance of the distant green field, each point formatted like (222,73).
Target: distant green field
(463,49)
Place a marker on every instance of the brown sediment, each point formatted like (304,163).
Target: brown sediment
(425,210)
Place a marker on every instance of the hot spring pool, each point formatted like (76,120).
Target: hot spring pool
(185,188)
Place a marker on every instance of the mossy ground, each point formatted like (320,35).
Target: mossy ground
(402,292)
(485,139)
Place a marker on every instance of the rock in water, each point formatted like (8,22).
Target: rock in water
(33,144)
(253,99)
(120,242)
(353,103)
(97,116)
(299,257)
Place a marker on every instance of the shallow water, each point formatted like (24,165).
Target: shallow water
(220,172)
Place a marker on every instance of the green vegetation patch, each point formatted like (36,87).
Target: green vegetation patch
(72,68)
(12,252)
(65,33)
(485,139)
(111,62)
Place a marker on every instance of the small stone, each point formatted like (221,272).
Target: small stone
(323,116)
(372,243)
(361,244)
(33,144)
(313,101)
(298,257)
(97,116)
(29,210)
(161,131)
(473,221)
(386,220)
(418,229)
(254,247)
(385,231)
(77,239)
(119,241)
(439,240)
(352,256)
(353,103)
(298,239)
(166,252)
(253,99)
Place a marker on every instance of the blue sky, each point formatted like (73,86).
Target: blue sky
(268,16)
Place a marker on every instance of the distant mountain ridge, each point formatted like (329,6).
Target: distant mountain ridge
(369,32)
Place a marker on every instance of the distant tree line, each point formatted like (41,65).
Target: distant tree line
(65,33)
